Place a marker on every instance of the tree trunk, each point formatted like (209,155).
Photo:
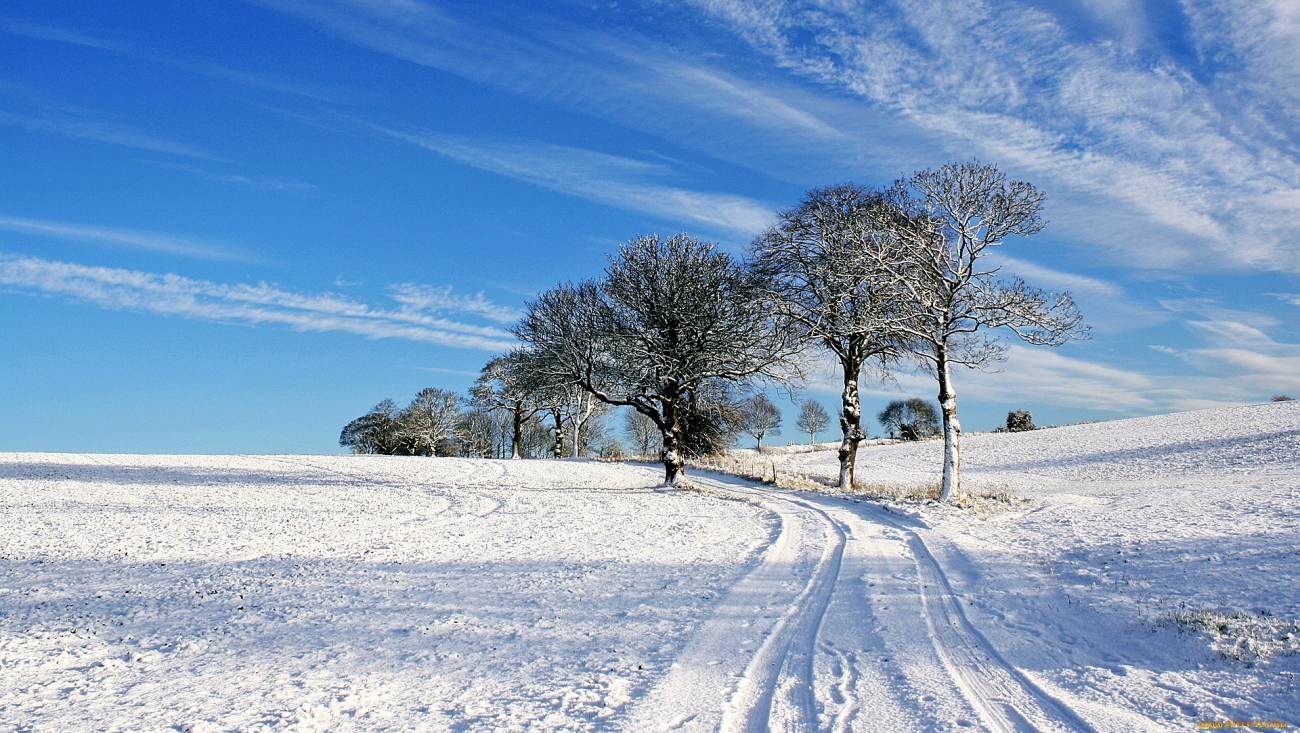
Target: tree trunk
(951,433)
(517,436)
(851,425)
(674,461)
(559,436)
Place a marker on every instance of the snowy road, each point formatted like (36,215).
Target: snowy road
(848,624)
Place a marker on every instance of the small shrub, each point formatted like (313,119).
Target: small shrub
(1019,421)
(1281,398)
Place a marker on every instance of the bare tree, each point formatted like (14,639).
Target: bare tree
(953,215)
(505,384)
(373,432)
(669,316)
(832,265)
(583,409)
(812,419)
(761,419)
(433,415)
(642,431)
(479,433)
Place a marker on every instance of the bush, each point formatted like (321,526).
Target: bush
(1281,398)
(910,419)
(1020,420)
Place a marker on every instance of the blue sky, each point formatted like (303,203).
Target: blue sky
(232,227)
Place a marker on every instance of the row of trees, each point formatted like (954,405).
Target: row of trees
(442,423)
(681,332)
(499,421)
(878,278)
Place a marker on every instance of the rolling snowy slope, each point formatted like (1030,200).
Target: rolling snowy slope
(1133,575)
(1129,525)
(347,593)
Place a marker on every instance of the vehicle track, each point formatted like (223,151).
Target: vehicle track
(761,635)
(1006,699)
(771,685)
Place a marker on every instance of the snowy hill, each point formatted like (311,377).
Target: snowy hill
(1143,577)
(1238,441)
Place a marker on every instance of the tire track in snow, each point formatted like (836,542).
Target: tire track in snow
(1007,701)
(725,678)
(784,602)
(784,663)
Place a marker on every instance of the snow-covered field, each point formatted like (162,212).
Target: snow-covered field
(378,593)
(1128,526)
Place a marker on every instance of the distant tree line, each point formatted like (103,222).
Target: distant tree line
(481,425)
(687,337)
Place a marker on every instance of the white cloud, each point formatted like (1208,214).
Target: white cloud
(174,295)
(122,237)
(418,298)
(103,132)
(1144,158)
(1246,358)
(264,184)
(1210,310)
(599,177)
(1155,165)
(770,125)
(1105,305)
(1046,376)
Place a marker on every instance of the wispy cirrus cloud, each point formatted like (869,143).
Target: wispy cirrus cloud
(1046,376)
(174,295)
(607,179)
(1105,305)
(1153,160)
(120,237)
(1162,165)
(429,298)
(260,183)
(104,132)
(771,125)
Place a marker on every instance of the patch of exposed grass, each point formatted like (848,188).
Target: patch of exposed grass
(1239,635)
(760,469)
(910,492)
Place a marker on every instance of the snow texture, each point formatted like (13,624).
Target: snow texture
(1129,575)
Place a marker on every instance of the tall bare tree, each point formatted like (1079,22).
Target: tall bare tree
(642,431)
(373,432)
(433,415)
(582,407)
(832,265)
(761,419)
(952,216)
(506,384)
(812,419)
(668,317)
